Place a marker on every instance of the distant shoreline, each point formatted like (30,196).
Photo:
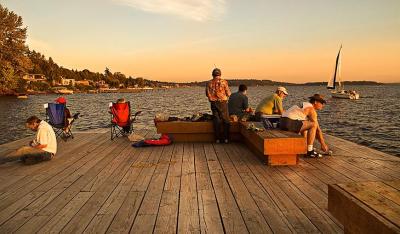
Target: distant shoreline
(232,82)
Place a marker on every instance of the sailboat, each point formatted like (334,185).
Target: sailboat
(338,90)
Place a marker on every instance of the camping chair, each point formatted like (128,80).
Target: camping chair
(121,120)
(55,116)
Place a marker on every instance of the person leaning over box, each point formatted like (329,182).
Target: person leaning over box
(271,105)
(305,120)
(218,92)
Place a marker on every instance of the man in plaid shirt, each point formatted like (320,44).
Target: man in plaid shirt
(218,92)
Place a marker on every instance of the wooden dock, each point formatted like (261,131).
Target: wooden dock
(98,185)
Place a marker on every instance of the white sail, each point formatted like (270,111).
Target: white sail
(337,73)
(339,70)
(338,91)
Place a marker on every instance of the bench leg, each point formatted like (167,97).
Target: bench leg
(283,159)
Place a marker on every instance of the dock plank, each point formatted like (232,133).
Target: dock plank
(100,186)
(147,214)
(232,219)
(209,214)
(45,190)
(46,175)
(71,187)
(88,211)
(251,213)
(167,217)
(125,215)
(188,217)
(297,219)
(274,217)
(107,212)
(61,219)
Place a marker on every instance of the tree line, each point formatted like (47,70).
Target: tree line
(16,60)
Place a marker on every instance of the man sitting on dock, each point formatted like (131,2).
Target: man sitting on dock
(305,119)
(43,147)
(217,91)
(238,104)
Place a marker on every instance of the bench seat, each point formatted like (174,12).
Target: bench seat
(366,207)
(186,131)
(275,147)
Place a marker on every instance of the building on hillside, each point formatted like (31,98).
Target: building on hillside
(34,78)
(65,82)
(82,82)
(102,84)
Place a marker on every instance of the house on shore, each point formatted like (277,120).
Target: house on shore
(82,82)
(34,78)
(66,82)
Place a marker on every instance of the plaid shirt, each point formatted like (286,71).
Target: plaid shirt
(217,90)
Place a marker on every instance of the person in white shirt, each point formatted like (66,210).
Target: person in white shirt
(305,119)
(43,147)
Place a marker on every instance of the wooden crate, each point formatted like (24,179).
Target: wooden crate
(366,207)
(276,147)
(185,131)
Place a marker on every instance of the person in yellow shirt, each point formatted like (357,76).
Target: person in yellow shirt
(271,105)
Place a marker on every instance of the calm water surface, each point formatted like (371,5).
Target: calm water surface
(374,120)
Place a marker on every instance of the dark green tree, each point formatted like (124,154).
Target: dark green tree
(13,50)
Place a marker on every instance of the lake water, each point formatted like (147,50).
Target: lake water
(373,120)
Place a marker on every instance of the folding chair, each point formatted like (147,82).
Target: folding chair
(121,120)
(55,116)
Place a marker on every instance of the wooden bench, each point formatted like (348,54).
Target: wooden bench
(276,147)
(185,131)
(366,207)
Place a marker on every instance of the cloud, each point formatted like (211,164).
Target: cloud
(198,10)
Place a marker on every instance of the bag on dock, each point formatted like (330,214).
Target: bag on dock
(165,139)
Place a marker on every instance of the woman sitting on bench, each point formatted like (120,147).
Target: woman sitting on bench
(300,120)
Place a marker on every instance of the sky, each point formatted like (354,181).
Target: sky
(182,40)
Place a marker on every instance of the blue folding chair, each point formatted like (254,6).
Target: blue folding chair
(55,116)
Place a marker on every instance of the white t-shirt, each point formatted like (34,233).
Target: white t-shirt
(296,113)
(46,136)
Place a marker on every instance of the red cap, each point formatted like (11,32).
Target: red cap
(61,100)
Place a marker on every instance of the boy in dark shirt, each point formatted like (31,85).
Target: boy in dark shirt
(238,102)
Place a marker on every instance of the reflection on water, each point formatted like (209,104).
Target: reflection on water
(373,120)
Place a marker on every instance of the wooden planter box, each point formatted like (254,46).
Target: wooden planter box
(185,131)
(366,207)
(276,147)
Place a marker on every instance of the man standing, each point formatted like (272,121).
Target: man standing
(238,104)
(217,91)
(305,119)
(43,147)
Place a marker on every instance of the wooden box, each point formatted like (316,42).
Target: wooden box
(185,131)
(276,147)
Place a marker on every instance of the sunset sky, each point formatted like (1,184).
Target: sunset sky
(181,40)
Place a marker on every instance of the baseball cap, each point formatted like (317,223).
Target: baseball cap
(283,89)
(61,100)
